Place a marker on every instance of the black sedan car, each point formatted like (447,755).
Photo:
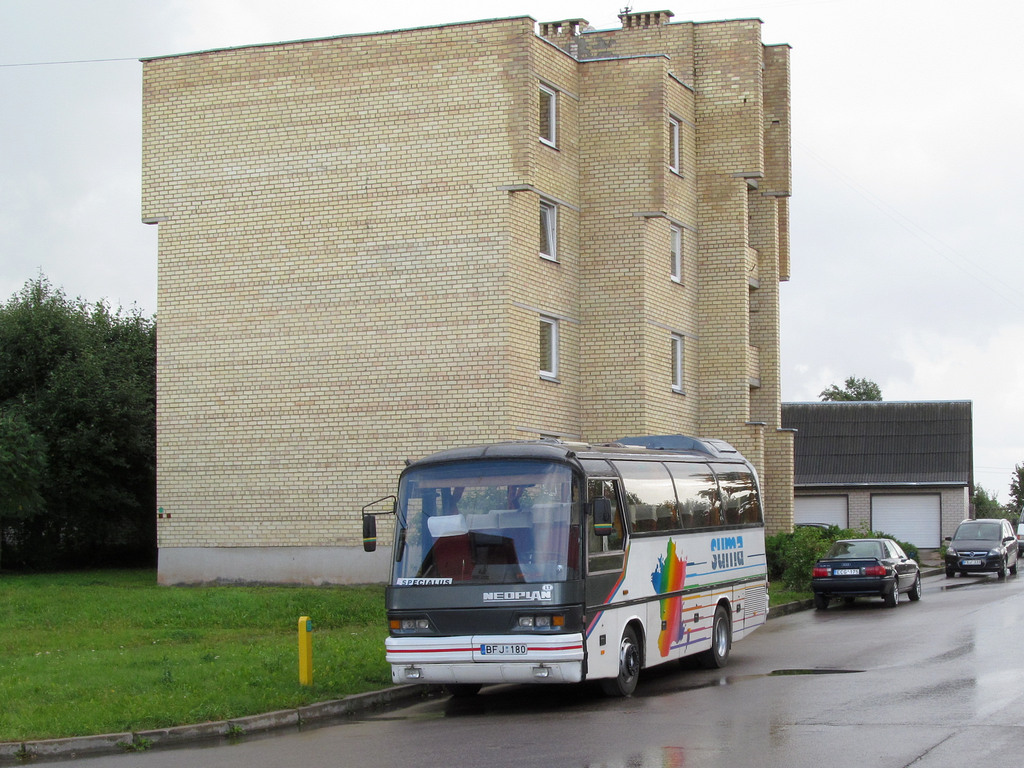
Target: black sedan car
(865,568)
(982,545)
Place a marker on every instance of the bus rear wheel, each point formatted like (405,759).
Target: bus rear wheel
(624,683)
(717,656)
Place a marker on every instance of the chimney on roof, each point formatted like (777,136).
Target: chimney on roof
(565,34)
(643,19)
(566,28)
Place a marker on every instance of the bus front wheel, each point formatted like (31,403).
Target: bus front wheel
(717,656)
(624,683)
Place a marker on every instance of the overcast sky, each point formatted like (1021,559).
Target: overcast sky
(907,144)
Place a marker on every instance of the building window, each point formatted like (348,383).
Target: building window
(673,144)
(548,230)
(548,348)
(677,254)
(677,362)
(548,115)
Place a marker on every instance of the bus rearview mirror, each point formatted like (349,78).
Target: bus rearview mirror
(369,533)
(602,512)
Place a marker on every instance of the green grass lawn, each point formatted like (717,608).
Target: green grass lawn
(110,651)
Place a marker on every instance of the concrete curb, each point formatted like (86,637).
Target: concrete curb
(13,752)
(9,750)
(787,608)
(75,746)
(181,734)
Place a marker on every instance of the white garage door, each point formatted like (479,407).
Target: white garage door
(909,517)
(821,509)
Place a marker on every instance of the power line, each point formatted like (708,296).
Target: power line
(930,239)
(54,63)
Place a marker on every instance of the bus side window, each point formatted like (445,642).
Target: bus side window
(697,492)
(650,496)
(597,489)
(740,501)
(750,511)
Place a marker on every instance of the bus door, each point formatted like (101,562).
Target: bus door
(605,554)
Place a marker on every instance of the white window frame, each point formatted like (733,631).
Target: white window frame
(549,229)
(548,334)
(673,144)
(549,132)
(676,253)
(678,352)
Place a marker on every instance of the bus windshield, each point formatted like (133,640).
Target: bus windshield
(488,521)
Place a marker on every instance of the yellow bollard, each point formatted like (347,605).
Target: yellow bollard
(305,650)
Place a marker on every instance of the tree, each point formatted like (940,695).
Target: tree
(986,505)
(860,390)
(1016,505)
(82,380)
(22,467)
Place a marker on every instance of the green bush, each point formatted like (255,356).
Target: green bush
(791,556)
(906,546)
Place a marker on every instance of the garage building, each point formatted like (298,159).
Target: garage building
(902,468)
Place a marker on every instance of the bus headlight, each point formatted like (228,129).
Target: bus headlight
(417,625)
(541,621)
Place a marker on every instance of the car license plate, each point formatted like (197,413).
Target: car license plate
(503,650)
(971,562)
(846,572)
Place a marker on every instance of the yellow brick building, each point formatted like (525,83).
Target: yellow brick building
(376,246)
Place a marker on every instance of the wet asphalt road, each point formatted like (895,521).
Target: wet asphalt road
(934,684)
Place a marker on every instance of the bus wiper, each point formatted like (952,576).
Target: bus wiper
(400,549)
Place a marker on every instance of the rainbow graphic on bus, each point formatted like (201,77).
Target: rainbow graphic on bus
(669,576)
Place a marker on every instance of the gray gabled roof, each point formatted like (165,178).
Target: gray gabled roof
(881,443)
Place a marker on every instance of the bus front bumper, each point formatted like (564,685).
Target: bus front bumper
(486,659)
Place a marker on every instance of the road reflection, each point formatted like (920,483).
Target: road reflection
(662,757)
(971,580)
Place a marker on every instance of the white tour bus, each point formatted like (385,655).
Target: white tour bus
(553,562)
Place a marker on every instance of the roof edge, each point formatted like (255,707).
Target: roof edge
(246,46)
